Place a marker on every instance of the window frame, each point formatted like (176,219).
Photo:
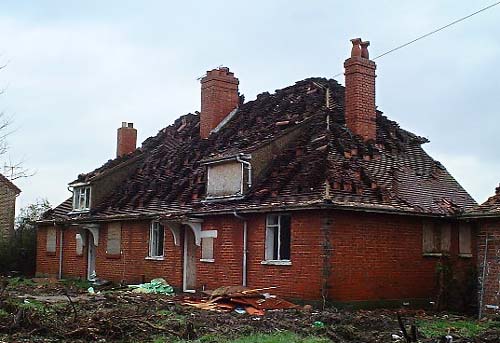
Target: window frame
(465,239)
(79,197)
(155,225)
(210,171)
(51,241)
(440,232)
(117,227)
(272,256)
(204,241)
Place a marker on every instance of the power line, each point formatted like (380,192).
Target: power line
(433,32)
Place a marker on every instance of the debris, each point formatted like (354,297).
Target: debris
(318,324)
(156,286)
(240,299)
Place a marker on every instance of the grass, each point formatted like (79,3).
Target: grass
(78,283)
(281,337)
(170,315)
(441,327)
(17,281)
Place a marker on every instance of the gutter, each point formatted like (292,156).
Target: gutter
(260,209)
(245,248)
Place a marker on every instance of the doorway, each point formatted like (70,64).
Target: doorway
(189,267)
(91,257)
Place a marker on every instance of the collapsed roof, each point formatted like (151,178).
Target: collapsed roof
(324,164)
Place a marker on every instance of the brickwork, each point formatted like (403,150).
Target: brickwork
(360,110)
(344,256)
(126,139)
(7,209)
(489,287)
(219,96)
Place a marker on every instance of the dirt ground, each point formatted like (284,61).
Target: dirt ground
(65,312)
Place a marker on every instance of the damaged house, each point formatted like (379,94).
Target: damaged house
(485,219)
(310,189)
(8,195)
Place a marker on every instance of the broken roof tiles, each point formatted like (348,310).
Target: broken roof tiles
(490,207)
(323,164)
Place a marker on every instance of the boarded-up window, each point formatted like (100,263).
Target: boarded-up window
(51,239)
(113,246)
(225,179)
(207,248)
(79,244)
(436,238)
(464,239)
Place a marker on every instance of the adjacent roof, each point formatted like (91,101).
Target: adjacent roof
(324,165)
(8,183)
(490,208)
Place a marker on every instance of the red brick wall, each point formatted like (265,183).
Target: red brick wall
(372,257)
(219,96)
(491,284)
(46,263)
(126,140)
(379,256)
(360,115)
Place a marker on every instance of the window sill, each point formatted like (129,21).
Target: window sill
(465,255)
(51,253)
(435,254)
(113,256)
(277,262)
(207,260)
(87,210)
(155,258)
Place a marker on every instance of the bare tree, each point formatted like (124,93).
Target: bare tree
(12,170)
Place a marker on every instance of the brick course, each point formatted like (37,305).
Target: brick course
(219,96)
(491,284)
(8,196)
(360,110)
(373,257)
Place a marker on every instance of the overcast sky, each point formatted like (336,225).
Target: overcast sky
(77,69)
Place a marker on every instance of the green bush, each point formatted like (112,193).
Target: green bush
(18,253)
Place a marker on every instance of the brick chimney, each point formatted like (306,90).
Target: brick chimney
(219,96)
(360,112)
(126,139)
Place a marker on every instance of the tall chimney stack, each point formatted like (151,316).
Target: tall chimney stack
(126,139)
(360,110)
(219,96)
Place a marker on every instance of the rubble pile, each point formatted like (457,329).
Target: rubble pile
(241,300)
(65,312)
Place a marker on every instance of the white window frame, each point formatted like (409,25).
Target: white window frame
(269,245)
(153,240)
(81,198)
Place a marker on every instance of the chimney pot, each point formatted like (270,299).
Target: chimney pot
(364,49)
(497,190)
(356,50)
(126,139)
(219,96)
